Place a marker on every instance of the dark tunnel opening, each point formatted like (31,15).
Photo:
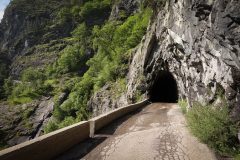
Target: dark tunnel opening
(164,88)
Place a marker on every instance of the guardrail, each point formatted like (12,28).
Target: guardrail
(53,144)
(99,122)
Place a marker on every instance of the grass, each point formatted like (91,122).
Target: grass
(213,126)
(19,100)
(183,105)
(237,157)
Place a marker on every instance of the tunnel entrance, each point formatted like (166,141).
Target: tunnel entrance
(164,88)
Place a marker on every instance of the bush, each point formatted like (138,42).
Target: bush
(95,8)
(74,56)
(64,15)
(237,157)
(32,75)
(214,127)
(183,104)
(51,126)
(55,124)
(30,87)
(111,43)
(23,90)
(8,86)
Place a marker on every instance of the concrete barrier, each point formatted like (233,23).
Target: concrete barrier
(53,144)
(101,121)
(48,146)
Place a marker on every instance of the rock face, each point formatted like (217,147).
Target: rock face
(104,101)
(30,36)
(198,42)
(124,8)
(24,122)
(23,23)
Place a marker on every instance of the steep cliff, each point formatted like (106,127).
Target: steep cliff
(54,55)
(191,52)
(41,52)
(197,42)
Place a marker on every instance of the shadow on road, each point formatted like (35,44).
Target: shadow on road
(83,148)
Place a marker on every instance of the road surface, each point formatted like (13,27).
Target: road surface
(156,132)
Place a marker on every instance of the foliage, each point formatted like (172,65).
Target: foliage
(237,157)
(51,126)
(32,75)
(95,8)
(214,127)
(137,96)
(3,75)
(70,59)
(8,86)
(183,104)
(111,43)
(54,124)
(30,87)
(74,57)
(64,15)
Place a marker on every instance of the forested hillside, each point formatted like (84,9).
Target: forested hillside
(63,52)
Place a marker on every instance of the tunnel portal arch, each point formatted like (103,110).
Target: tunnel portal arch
(164,88)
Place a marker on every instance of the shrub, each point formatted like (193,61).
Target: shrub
(95,8)
(214,127)
(67,122)
(19,100)
(111,43)
(58,113)
(74,56)
(8,86)
(70,59)
(64,15)
(51,126)
(237,157)
(32,75)
(183,104)
(30,87)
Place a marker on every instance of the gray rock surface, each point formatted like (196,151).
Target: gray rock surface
(198,42)
(105,100)
(124,8)
(24,122)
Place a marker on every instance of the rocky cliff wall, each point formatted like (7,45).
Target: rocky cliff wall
(198,42)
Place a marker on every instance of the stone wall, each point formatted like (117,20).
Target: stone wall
(197,41)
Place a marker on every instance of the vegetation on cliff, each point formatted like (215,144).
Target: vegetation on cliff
(111,43)
(213,126)
(69,47)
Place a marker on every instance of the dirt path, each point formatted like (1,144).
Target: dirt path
(158,132)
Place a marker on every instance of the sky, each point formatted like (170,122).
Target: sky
(3,5)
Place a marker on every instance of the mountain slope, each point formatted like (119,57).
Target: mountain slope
(56,54)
